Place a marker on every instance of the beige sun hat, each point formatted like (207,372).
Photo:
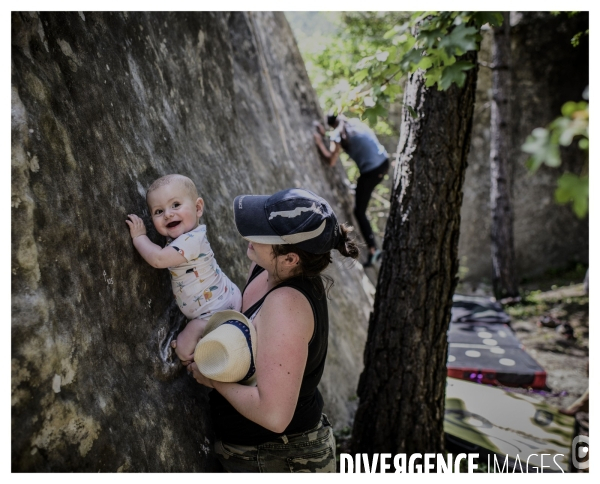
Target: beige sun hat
(227,352)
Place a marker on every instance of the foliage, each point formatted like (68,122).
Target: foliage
(333,67)
(358,63)
(543,144)
(537,302)
(577,37)
(431,41)
(362,69)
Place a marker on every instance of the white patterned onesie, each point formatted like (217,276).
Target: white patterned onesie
(199,286)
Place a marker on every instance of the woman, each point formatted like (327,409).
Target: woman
(278,425)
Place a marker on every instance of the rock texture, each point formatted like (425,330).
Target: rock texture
(547,71)
(102,104)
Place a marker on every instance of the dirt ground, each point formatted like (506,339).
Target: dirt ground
(552,322)
(564,359)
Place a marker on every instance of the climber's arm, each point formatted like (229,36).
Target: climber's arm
(330,154)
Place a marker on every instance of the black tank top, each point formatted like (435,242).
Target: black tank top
(231,426)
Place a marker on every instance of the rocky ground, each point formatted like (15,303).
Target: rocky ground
(544,325)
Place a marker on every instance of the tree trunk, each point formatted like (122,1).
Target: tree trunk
(504,277)
(402,387)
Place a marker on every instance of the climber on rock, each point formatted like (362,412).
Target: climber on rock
(361,144)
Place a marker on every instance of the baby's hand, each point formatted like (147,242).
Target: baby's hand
(136,226)
(185,359)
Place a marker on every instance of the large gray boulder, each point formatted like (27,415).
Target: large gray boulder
(547,71)
(103,104)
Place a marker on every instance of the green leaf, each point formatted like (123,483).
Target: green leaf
(454,74)
(392,52)
(410,59)
(392,32)
(572,188)
(552,156)
(450,61)
(535,140)
(409,43)
(425,63)
(495,19)
(393,89)
(573,129)
(360,75)
(532,164)
(571,107)
(542,151)
(364,62)
(462,37)
(412,112)
(382,56)
(392,70)
(372,113)
(564,129)
(440,57)
(429,38)
(432,76)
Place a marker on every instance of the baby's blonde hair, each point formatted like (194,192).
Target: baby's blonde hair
(185,183)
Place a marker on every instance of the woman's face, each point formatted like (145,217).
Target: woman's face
(262,254)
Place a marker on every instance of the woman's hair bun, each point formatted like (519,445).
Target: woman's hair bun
(347,246)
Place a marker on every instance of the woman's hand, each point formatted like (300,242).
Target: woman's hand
(199,377)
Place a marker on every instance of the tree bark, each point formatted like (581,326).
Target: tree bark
(504,276)
(402,387)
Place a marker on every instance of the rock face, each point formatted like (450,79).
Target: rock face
(547,71)
(103,104)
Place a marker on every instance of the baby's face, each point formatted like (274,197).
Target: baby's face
(173,210)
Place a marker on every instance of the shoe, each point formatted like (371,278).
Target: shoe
(373,258)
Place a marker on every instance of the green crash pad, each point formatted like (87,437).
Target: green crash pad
(510,424)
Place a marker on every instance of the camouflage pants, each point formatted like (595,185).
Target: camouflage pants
(310,451)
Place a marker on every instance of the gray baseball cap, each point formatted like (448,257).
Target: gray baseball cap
(292,216)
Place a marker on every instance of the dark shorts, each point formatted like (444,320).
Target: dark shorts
(310,451)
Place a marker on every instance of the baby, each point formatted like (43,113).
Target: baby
(199,286)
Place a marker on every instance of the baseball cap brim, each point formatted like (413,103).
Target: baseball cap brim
(251,220)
